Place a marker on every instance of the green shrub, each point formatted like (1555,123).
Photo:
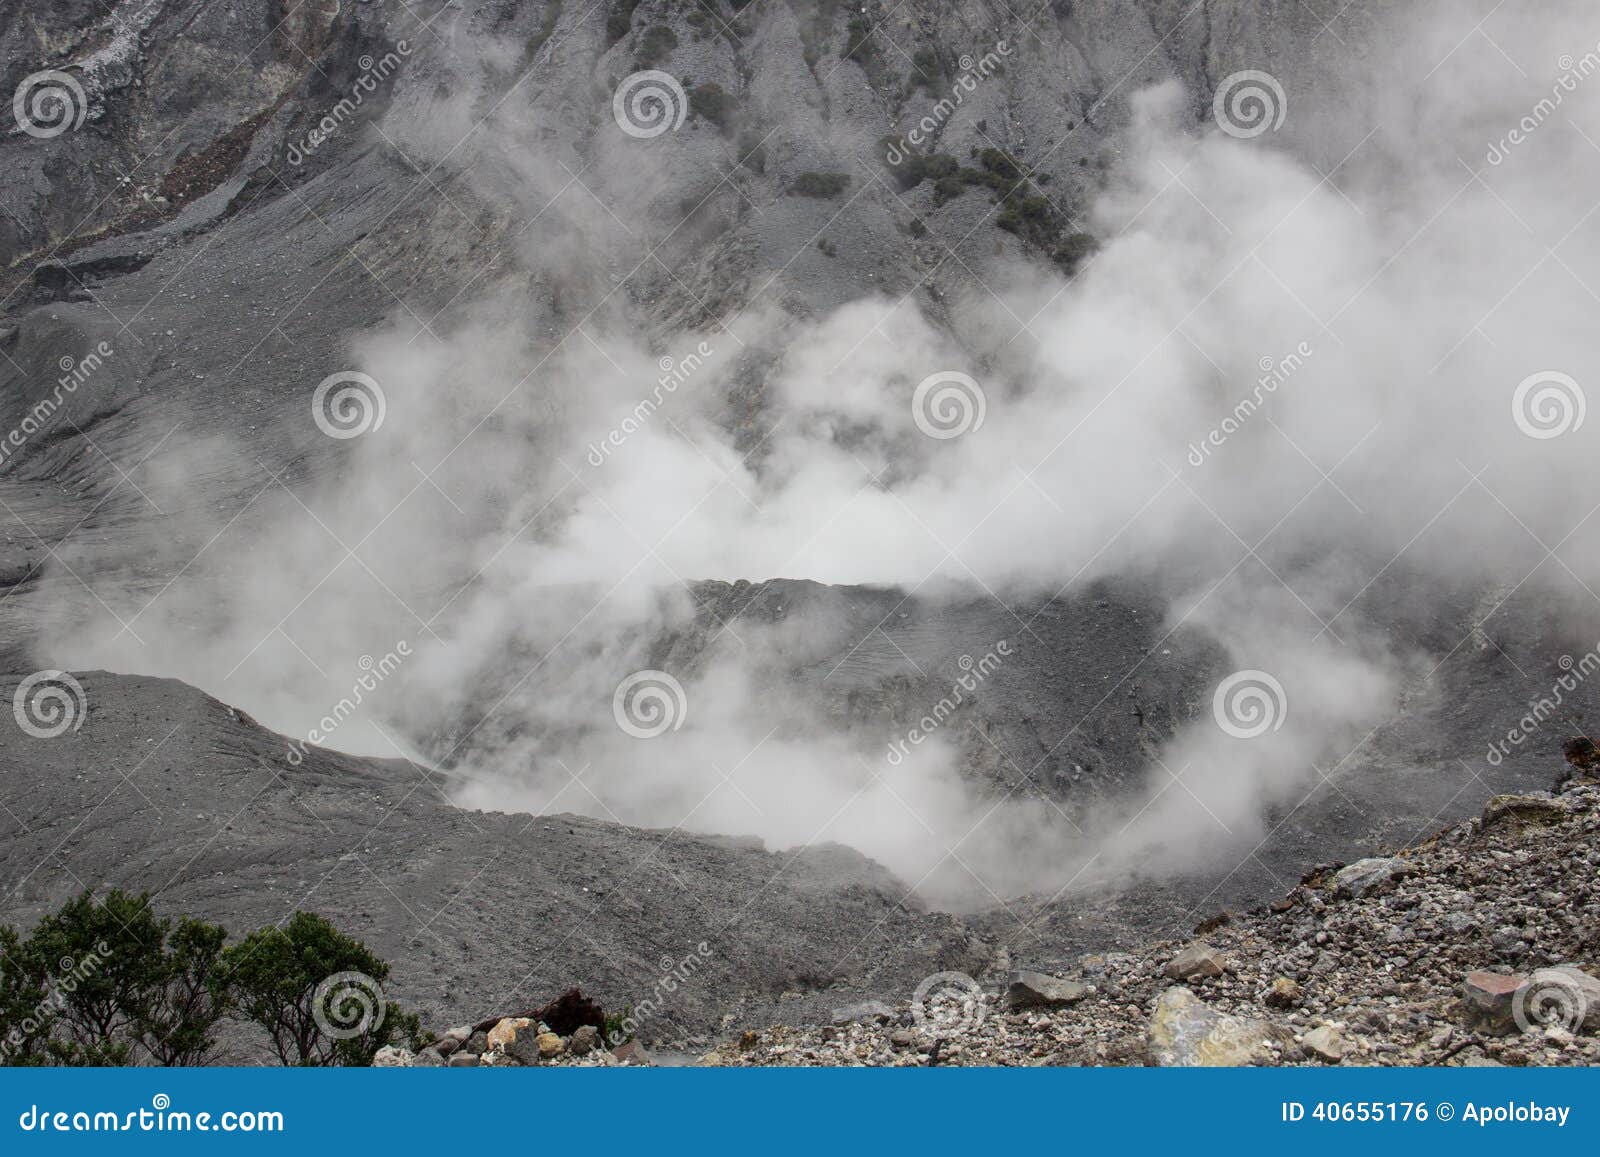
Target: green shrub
(948,189)
(709,101)
(858,40)
(1072,250)
(619,20)
(926,71)
(819,184)
(655,45)
(919,167)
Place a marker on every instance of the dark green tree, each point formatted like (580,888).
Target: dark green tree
(26,1015)
(178,1025)
(102,962)
(317,992)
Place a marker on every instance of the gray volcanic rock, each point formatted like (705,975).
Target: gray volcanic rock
(191,227)
(165,789)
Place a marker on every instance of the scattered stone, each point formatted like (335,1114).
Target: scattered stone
(1327,1043)
(550,1045)
(1185,1032)
(1369,877)
(1197,960)
(631,1053)
(463,1060)
(392,1057)
(1522,811)
(1565,996)
(584,1040)
(1490,998)
(1284,993)
(868,1010)
(1387,978)
(1037,990)
(505,1031)
(428,1058)
(523,1047)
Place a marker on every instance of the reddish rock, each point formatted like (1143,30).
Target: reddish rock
(1491,998)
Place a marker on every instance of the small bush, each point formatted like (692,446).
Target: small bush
(822,185)
(1072,250)
(926,71)
(709,101)
(947,189)
(619,20)
(919,167)
(655,45)
(752,151)
(858,40)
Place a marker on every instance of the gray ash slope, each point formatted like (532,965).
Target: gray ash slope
(227,279)
(164,789)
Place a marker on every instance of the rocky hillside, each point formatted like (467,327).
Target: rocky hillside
(1479,946)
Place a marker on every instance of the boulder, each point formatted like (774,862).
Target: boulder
(1283,993)
(874,1010)
(1490,998)
(1564,996)
(1185,1032)
(1522,812)
(428,1058)
(1326,1044)
(1037,990)
(631,1053)
(550,1045)
(505,1031)
(523,1047)
(461,1059)
(392,1057)
(584,1041)
(1199,959)
(1369,877)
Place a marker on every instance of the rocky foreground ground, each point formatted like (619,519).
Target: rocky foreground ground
(1479,946)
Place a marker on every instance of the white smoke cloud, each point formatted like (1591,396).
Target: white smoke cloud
(1414,289)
